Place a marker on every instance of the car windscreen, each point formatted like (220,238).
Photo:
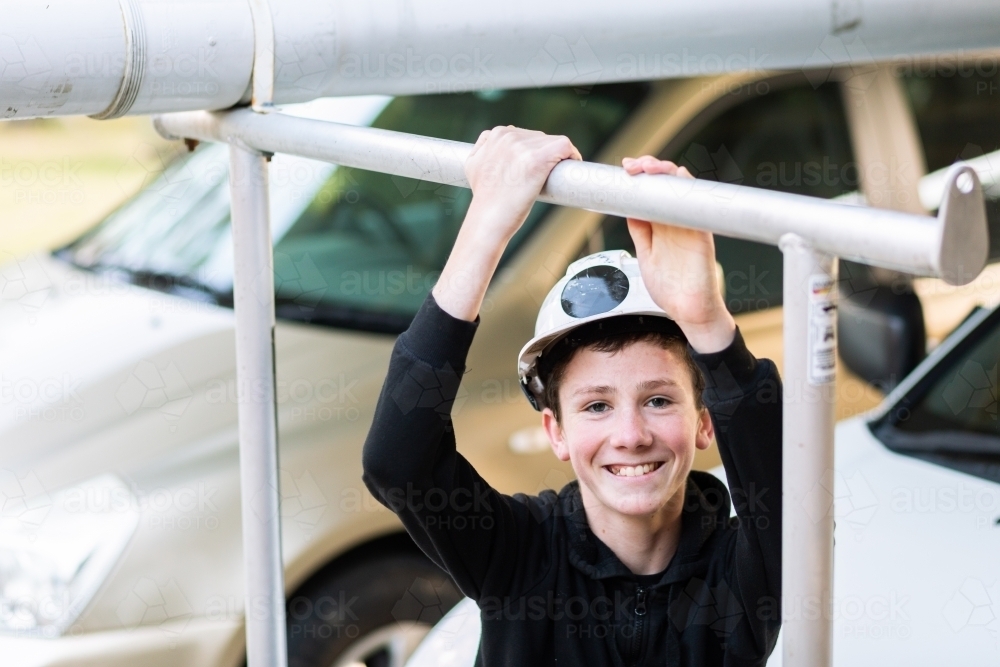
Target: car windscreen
(353,248)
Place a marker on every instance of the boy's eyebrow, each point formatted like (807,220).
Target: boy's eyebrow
(595,389)
(653,384)
(646,385)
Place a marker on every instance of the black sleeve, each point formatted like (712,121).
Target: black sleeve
(743,395)
(411,465)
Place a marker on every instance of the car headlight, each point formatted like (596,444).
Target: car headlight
(56,550)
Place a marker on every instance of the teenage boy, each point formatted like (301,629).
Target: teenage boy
(637,561)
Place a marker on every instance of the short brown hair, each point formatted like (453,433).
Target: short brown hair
(554,366)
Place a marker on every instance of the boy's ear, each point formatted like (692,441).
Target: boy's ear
(556,437)
(706,430)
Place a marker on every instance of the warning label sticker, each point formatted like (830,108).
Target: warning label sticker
(822,365)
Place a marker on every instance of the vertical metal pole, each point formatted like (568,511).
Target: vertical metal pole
(808,422)
(253,297)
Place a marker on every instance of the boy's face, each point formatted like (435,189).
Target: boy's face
(629,427)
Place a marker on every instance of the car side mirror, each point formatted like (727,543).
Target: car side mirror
(881,335)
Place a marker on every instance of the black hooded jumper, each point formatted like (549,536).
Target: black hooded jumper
(550,592)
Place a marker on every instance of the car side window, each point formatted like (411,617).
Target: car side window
(964,397)
(957,110)
(791,139)
(375,243)
(950,417)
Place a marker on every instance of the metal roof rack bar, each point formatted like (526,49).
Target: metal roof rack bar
(952,246)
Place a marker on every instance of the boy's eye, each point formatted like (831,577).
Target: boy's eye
(597,407)
(659,402)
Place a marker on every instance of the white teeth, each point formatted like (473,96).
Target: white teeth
(633,471)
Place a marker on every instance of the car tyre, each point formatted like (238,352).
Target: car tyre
(372,611)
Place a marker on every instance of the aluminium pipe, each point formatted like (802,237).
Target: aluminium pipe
(952,246)
(253,303)
(113,57)
(108,58)
(809,396)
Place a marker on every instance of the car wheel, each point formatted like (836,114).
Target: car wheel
(371,612)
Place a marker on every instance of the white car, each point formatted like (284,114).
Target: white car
(119,487)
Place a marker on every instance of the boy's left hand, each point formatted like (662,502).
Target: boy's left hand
(678,268)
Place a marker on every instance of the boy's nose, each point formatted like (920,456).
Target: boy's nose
(631,430)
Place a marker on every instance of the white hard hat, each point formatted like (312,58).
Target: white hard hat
(597,287)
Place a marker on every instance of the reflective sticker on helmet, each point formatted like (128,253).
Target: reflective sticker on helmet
(595,290)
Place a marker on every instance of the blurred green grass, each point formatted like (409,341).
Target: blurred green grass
(60,176)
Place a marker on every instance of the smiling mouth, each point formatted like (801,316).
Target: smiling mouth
(633,471)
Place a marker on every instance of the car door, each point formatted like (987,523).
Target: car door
(918,513)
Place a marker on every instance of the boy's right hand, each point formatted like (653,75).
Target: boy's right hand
(507,169)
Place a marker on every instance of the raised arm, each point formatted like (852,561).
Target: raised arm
(506,169)
(411,463)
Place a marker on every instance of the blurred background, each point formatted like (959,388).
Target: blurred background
(132,323)
(59,176)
